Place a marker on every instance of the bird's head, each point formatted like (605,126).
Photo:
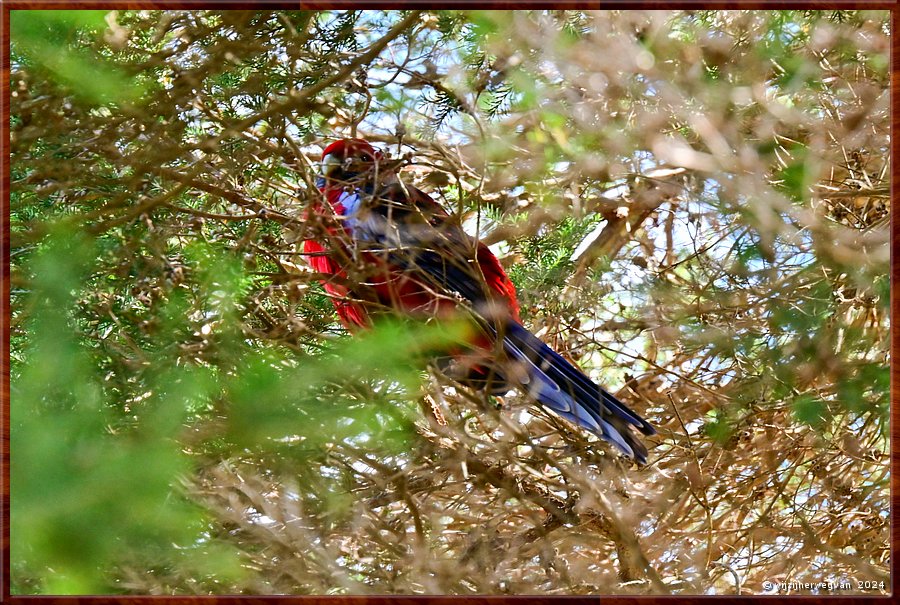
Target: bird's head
(348,160)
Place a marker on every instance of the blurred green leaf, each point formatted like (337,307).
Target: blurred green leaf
(485,23)
(794,180)
(47,38)
(810,410)
(315,401)
(88,488)
(719,429)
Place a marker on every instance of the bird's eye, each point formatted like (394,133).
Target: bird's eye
(357,162)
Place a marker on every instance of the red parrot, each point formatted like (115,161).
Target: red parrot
(421,262)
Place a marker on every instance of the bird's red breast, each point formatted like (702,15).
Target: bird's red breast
(393,286)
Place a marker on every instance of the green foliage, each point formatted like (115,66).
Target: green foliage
(357,391)
(719,429)
(48,38)
(811,410)
(89,485)
(96,472)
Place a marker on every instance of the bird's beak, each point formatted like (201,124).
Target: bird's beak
(330,164)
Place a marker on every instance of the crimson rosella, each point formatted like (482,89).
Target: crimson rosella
(421,262)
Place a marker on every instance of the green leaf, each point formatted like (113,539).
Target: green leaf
(88,487)
(810,410)
(794,181)
(719,429)
(47,38)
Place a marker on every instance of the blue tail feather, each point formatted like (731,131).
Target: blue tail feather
(556,383)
